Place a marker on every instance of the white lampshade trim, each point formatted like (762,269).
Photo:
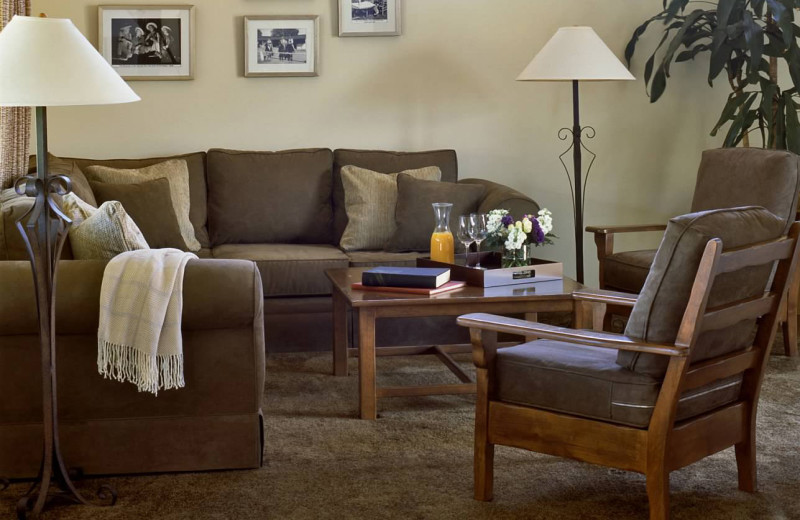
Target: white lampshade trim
(575,53)
(48,62)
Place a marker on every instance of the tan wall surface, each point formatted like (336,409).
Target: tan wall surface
(447,82)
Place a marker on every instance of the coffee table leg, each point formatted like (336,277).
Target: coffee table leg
(340,334)
(366,364)
(531,316)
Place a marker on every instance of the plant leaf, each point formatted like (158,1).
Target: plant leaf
(792,124)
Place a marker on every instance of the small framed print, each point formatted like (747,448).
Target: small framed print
(281,45)
(369,17)
(148,42)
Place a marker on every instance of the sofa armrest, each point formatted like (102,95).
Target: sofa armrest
(217,294)
(499,196)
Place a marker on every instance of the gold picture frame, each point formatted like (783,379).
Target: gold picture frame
(148,42)
(281,46)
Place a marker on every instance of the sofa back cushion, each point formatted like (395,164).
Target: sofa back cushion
(659,310)
(196,163)
(270,197)
(384,162)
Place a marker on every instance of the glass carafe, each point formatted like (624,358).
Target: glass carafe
(442,247)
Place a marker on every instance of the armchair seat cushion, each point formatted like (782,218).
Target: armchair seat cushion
(627,270)
(289,269)
(587,381)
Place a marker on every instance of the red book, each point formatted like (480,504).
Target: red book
(449,286)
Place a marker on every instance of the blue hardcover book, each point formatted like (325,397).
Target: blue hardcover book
(425,277)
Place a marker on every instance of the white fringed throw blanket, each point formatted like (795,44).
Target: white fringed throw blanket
(141,303)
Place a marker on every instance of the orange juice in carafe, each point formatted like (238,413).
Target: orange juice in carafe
(442,247)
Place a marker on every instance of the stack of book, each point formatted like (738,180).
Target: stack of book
(410,280)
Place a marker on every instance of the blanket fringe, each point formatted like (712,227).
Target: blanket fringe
(149,373)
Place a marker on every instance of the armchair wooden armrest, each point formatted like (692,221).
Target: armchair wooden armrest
(492,323)
(603,296)
(610,230)
(604,241)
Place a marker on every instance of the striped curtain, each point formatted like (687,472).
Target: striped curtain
(15,122)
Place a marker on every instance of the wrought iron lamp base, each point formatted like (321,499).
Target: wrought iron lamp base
(44,229)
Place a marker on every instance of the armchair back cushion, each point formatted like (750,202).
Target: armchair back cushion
(658,312)
(384,162)
(270,197)
(733,177)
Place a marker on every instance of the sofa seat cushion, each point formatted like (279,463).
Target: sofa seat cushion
(376,258)
(289,269)
(587,381)
(627,270)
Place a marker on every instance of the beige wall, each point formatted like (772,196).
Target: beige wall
(447,82)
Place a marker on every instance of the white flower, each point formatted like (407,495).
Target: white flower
(527,225)
(545,219)
(493,220)
(516,238)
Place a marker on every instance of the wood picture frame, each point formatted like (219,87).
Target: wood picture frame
(281,46)
(369,18)
(148,42)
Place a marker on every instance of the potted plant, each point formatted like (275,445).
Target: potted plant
(745,41)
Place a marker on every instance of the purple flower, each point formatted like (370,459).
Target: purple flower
(536,235)
(507,220)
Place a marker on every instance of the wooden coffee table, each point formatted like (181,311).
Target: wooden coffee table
(528,299)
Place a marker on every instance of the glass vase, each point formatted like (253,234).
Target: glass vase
(516,257)
(442,244)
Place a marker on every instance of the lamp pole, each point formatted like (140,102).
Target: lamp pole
(577,198)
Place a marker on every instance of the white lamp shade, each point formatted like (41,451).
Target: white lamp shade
(575,53)
(48,62)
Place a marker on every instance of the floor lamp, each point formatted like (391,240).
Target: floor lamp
(576,54)
(48,62)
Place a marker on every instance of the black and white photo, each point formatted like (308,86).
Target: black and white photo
(369,17)
(148,42)
(280,45)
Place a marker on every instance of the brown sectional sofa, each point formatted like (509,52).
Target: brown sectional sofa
(269,224)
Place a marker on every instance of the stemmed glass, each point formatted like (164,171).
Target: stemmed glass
(478,232)
(464,235)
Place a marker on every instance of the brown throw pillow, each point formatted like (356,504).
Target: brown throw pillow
(149,204)
(414,213)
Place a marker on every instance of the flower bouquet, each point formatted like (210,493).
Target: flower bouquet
(516,237)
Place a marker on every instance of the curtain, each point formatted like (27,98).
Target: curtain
(15,122)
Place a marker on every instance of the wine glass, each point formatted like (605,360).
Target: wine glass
(464,235)
(478,232)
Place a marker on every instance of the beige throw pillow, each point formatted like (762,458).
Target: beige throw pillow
(369,200)
(100,233)
(175,171)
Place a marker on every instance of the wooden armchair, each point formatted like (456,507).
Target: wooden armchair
(658,404)
(727,177)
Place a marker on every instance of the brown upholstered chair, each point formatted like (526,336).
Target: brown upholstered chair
(681,384)
(727,177)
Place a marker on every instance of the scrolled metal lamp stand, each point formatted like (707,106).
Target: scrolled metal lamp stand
(578,179)
(44,229)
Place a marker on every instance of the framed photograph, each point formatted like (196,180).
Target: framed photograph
(369,17)
(281,45)
(148,42)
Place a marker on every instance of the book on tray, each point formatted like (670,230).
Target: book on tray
(414,277)
(448,286)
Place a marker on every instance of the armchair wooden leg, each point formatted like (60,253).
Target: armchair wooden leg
(789,326)
(746,464)
(658,491)
(484,451)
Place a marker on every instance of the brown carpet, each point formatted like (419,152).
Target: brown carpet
(415,462)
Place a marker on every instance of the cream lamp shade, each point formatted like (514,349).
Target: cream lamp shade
(48,62)
(575,53)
